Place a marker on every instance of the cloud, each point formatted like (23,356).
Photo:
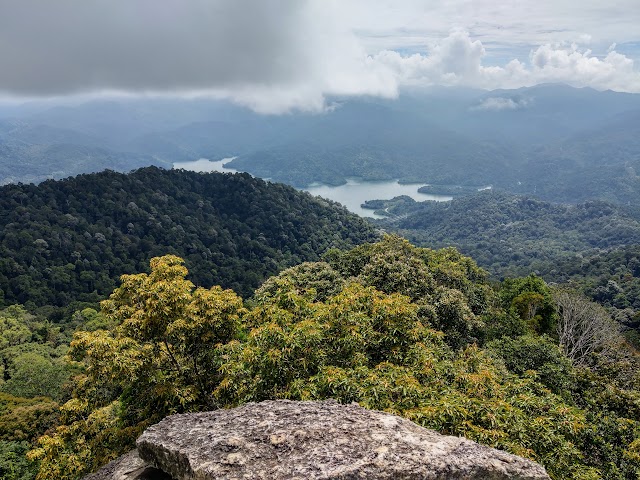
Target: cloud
(502,103)
(457,61)
(281,55)
(272,55)
(505,26)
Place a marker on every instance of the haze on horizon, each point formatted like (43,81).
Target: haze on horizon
(275,56)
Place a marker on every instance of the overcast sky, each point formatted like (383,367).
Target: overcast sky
(281,55)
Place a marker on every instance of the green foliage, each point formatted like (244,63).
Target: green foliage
(450,288)
(315,278)
(90,438)
(161,358)
(33,375)
(13,461)
(32,369)
(23,419)
(530,352)
(31,356)
(387,325)
(594,246)
(513,235)
(530,300)
(367,346)
(91,320)
(613,410)
(167,334)
(70,240)
(16,326)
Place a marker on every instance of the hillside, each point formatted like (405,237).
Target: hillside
(378,142)
(411,331)
(592,245)
(70,240)
(553,141)
(32,152)
(512,235)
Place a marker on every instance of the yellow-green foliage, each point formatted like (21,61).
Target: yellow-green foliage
(388,325)
(25,418)
(366,346)
(162,358)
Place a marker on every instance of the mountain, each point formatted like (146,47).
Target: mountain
(554,141)
(511,234)
(592,246)
(377,142)
(34,152)
(70,240)
(599,162)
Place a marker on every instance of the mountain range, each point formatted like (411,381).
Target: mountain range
(543,140)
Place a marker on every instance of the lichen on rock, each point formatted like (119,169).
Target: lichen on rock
(318,440)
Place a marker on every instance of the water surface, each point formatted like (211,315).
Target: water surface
(352,194)
(355,192)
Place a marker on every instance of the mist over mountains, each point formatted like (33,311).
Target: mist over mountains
(554,141)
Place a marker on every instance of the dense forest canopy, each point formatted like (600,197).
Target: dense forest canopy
(237,290)
(416,332)
(592,245)
(420,332)
(70,240)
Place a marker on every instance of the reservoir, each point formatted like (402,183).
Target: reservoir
(352,194)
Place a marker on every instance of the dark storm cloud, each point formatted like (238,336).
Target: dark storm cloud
(67,46)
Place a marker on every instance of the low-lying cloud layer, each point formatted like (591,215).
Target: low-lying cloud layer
(271,55)
(502,103)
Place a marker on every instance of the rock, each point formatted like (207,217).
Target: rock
(128,467)
(318,440)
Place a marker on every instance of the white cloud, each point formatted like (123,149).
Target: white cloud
(502,103)
(280,55)
(506,26)
(457,61)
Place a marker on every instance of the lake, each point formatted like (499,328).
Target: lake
(352,194)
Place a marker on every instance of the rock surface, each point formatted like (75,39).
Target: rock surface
(318,440)
(128,467)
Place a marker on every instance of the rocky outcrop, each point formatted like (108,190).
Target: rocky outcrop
(129,467)
(317,440)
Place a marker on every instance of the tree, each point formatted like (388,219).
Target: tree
(161,358)
(530,352)
(374,348)
(14,326)
(33,375)
(450,288)
(330,330)
(530,299)
(584,327)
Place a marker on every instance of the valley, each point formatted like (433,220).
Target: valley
(352,194)
(128,294)
(559,143)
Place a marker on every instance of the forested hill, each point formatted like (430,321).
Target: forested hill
(593,245)
(70,240)
(513,235)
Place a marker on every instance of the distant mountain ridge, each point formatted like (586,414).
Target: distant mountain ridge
(558,142)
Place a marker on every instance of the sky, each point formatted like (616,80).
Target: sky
(277,56)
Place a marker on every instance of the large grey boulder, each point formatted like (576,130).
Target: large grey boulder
(318,440)
(128,467)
